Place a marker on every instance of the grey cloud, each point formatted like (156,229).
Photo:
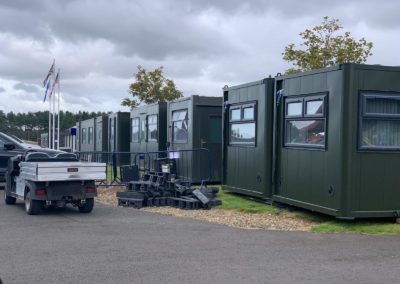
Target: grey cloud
(2,90)
(20,5)
(128,23)
(202,45)
(135,27)
(26,88)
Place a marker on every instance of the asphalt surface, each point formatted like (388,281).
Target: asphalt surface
(122,245)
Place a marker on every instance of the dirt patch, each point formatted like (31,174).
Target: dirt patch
(284,221)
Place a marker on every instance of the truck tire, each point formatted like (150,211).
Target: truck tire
(87,207)
(9,200)
(32,207)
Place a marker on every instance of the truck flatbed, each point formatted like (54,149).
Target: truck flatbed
(41,181)
(62,171)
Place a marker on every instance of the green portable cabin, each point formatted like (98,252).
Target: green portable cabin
(337,140)
(247,138)
(196,122)
(87,143)
(119,136)
(78,137)
(149,128)
(101,133)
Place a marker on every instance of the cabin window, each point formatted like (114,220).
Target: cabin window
(90,140)
(294,108)
(135,122)
(235,114)
(83,140)
(180,126)
(248,113)
(305,122)
(152,127)
(243,133)
(99,134)
(143,131)
(380,121)
(242,124)
(315,107)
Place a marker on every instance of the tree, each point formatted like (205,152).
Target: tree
(150,87)
(323,47)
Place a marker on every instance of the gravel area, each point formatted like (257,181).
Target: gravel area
(285,221)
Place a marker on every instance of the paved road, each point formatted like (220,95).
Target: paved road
(120,245)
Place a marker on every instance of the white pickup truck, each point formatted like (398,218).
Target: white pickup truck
(41,180)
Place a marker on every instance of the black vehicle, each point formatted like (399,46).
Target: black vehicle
(10,147)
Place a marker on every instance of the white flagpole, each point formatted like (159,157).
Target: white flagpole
(54,112)
(49,137)
(58,116)
(49,140)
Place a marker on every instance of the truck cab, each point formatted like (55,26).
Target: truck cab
(11,147)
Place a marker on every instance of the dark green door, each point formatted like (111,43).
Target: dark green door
(211,139)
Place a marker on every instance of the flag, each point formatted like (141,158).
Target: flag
(47,89)
(51,71)
(56,81)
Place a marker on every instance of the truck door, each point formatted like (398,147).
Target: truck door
(4,157)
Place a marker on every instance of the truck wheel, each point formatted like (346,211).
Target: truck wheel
(32,207)
(87,207)
(9,200)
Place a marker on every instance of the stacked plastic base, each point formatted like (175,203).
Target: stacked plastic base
(157,189)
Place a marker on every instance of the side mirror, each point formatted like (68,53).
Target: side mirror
(9,146)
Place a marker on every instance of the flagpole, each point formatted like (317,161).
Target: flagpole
(49,137)
(47,81)
(54,113)
(58,117)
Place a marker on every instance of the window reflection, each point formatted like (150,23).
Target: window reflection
(294,109)
(180,126)
(135,129)
(314,107)
(300,129)
(380,124)
(305,132)
(248,113)
(244,133)
(235,114)
(152,127)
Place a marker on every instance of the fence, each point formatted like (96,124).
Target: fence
(192,166)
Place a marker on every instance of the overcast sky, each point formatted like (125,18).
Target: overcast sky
(202,44)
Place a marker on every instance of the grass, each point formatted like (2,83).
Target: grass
(240,203)
(373,227)
(110,174)
(324,223)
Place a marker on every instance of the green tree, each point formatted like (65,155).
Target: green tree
(324,46)
(150,87)
(3,121)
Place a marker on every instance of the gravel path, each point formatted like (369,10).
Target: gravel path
(261,221)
